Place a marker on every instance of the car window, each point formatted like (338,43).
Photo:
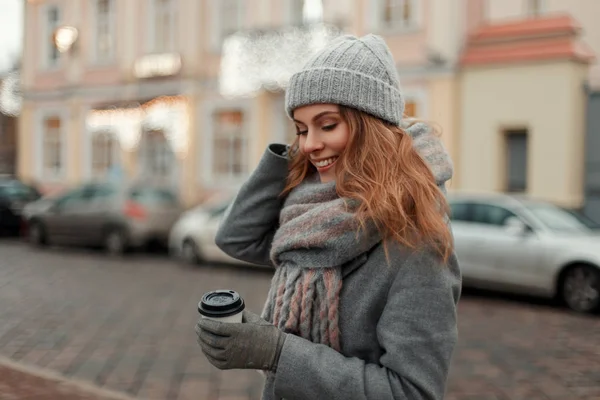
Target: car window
(490,214)
(73,197)
(459,211)
(560,219)
(583,218)
(153,196)
(18,191)
(102,192)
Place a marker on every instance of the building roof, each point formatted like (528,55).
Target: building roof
(526,40)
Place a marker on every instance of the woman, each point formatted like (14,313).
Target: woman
(362,304)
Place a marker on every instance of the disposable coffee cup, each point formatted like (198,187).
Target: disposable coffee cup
(222,305)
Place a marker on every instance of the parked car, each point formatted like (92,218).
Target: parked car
(117,217)
(14,195)
(520,245)
(192,238)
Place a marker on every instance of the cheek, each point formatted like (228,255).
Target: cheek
(341,140)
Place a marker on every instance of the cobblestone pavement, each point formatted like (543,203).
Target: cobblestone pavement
(127,325)
(19,382)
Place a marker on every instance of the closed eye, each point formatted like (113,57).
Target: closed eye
(299,133)
(328,128)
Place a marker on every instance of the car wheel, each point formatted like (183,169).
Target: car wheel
(37,234)
(189,252)
(581,288)
(115,242)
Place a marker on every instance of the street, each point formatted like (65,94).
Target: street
(128,325)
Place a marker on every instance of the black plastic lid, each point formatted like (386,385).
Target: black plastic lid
(220,303)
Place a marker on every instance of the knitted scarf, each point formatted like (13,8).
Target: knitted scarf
(318,234)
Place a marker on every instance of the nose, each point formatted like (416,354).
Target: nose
(312,143)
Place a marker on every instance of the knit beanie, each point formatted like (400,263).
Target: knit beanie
(353,72)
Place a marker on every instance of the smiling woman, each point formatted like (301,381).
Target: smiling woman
(353,217)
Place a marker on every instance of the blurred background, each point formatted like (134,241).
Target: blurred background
(190,92)
(131,123)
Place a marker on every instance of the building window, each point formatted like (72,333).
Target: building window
(104,148)
(516,160)
(229,141)
(159,157)
(104,43)
(164,26)
(415,103)
(52,147)
(231,14)
(410,109)
(52,23)
(399,14)
(8,144)
(535,8)
(296,12)
(284,129)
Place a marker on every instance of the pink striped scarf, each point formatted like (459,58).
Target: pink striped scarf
(318,234)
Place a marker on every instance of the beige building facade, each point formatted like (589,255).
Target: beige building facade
(138,94)
(524,73)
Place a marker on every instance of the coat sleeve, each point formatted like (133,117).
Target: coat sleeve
(417,332)
(249,224)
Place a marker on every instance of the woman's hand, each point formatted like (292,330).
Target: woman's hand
(252,344)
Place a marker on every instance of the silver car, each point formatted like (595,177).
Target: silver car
(192,238)
(118,217)
(516,244)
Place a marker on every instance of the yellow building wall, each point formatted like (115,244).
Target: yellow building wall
(546,98)
(444,113)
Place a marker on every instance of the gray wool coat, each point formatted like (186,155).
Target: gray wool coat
(397,322)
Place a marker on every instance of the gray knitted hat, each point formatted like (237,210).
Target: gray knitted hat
(350,71)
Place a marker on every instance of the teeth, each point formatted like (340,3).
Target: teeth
(325,163)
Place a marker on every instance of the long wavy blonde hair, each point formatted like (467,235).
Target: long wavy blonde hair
(391,182)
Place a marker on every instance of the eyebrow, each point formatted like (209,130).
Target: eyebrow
(319,115)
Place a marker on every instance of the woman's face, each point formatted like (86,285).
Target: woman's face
(323,136)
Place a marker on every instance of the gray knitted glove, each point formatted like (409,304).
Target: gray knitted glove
(253,344)
(432,150)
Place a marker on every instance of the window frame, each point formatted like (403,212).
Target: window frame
(169,47)
(290,12)
(376,14)
(206,146)
(419,97)
(114,151)
(96,58)
(41,172)
(230,137)
(217,36)
(48,32)
(509,184)
(153,158)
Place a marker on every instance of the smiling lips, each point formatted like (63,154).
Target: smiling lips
(322,164)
